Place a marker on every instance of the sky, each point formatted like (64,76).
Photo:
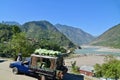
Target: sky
(92,16)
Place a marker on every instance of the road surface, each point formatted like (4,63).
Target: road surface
(6,72)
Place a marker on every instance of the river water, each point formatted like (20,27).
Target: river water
(93,50)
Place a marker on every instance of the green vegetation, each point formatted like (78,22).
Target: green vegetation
(110,38)
(14,40)
(45,32)
(19,43)
(110,69)
(75,69)
(6,33)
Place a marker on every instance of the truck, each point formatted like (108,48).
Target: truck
(47,64)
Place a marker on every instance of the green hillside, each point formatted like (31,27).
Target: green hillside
(6,32)
(76,35)
(110,38)
(45,31)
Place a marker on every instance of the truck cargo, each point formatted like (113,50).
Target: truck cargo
(48,64)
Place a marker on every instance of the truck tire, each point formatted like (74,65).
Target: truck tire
(15,70)
(42,77)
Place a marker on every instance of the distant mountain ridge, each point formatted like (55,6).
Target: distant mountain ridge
(110,38)
(40,29)
(76,35)
(11,23)
(44,30)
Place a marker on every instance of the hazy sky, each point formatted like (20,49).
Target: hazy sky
(92,16)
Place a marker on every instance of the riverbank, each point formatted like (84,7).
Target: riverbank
(91,55)
(102,48)
(89,60)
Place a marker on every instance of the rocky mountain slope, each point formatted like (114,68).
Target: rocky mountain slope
(76,35)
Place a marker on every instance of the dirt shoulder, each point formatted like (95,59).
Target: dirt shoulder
(89,60)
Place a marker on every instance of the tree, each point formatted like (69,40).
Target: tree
(15,29)
(109,69)
(98,70)
(19,43)
(6,33)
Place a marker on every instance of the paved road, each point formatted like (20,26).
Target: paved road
(6,73)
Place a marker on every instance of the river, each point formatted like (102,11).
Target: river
(97,50)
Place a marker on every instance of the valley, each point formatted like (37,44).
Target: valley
(91,55)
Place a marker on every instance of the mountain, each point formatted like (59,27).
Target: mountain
(110,38)
(76,35)
(45,31)
(11,23)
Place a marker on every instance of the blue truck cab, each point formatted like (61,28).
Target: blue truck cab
(21,66)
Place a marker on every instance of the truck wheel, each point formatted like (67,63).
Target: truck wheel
(15,70)
(42,77)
